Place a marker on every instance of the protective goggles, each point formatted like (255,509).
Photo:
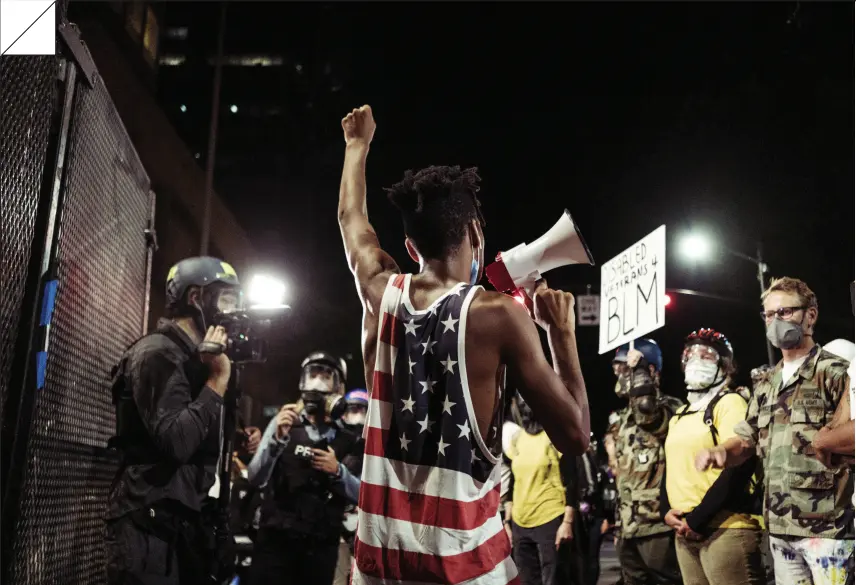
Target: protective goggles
(699,351)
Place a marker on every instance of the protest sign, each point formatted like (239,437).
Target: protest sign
(633,292)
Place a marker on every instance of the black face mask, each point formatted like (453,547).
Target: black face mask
(356,429)
(643,401)
(530,425)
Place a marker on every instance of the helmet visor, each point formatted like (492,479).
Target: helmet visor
(319,378)
(228,300)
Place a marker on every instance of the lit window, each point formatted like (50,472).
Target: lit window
(178,32)
(172,60)
(183,108)
(234,109)
(150,38)
(197,155)
(299,67)
(249,60)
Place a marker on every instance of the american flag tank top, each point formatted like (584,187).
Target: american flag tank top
(429,495)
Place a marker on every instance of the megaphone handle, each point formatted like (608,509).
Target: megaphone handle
(529,288)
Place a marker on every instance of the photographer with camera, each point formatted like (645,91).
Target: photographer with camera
(162,526)
(308,468)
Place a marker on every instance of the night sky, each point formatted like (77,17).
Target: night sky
(736,119)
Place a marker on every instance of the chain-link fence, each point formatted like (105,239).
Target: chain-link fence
(67,159)
(27,97)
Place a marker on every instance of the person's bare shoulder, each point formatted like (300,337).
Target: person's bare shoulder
(491,312)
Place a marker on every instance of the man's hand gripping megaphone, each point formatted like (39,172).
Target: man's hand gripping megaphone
(548,306)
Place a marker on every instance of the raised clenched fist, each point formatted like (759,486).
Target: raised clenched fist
(359,126)
(553,308)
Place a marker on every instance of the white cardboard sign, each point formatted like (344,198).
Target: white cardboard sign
(633,292)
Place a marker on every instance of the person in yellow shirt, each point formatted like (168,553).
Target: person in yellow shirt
(540,515)
(715,514)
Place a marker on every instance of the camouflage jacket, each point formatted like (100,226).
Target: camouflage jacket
(802,497)
(641,468)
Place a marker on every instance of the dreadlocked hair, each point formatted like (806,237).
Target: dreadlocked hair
(436,204)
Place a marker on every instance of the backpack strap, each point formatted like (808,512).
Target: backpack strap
(708,414)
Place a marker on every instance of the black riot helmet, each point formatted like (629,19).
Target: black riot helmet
(217,281)
(322,381)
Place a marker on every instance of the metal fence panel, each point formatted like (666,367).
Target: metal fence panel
(27,96)
(100,305)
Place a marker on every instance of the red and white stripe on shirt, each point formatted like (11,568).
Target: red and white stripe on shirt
(429,497)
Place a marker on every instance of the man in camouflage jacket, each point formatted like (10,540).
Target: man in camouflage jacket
(808,507)
(646,546)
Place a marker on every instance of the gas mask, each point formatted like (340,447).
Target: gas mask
(643,401)
(319,403)
(530,425)
(643,393)
(319,389)
(785,334)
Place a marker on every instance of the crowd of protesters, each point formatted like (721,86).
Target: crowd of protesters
(734,486)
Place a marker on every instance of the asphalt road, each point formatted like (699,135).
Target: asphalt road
(609,569)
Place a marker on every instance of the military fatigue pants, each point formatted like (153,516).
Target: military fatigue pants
(811,561)
(730,556)
(649,560)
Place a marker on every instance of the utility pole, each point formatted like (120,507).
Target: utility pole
(762,270)
(212,135)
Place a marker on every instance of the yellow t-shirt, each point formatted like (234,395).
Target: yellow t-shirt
(539,495)
(688,435)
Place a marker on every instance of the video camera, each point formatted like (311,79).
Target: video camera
(246,332)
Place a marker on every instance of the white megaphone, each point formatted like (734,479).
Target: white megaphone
(518,269)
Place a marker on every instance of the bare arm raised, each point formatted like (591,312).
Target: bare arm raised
(366,259)
(557,397)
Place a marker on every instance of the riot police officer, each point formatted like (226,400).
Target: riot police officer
(162,527)
(307,466)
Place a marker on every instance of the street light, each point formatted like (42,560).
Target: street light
(697,246)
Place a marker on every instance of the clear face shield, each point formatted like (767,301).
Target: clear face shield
(228,300)
(319,388)
(355,414)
